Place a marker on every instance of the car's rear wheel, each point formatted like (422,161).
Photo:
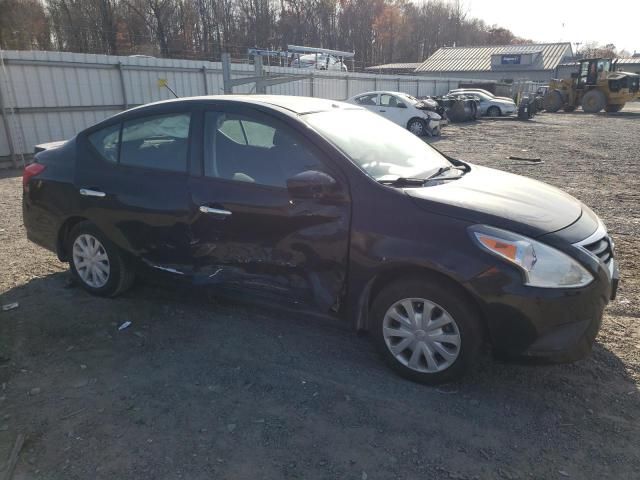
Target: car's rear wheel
(493,112)
(417,126)
(425,331)
(96,263)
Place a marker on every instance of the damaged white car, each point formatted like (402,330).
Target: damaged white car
(417,116)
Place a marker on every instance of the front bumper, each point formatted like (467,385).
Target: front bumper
(557,324)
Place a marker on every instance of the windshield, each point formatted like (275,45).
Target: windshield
(406,95)
(381,148)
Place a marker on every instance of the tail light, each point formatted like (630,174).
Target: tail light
(31,171)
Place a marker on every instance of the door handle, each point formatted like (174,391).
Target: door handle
(92,193)
(383,110)
(214,211)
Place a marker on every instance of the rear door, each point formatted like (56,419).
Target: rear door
(249,233)
(131,180)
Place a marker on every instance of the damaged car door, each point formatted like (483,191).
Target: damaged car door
(270,216)
(131,181)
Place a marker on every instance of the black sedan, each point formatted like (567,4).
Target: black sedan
(325,207)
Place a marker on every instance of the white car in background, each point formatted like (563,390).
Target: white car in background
(403,109)
(490,105)
(321,61)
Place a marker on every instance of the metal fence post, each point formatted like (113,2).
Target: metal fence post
(311,86)
(226,74)
(257,68)
(204,77)
(417,88)
(346,85)
(398,81)
(8,132)
(375,83)
(123,86)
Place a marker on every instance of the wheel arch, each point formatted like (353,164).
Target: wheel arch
(63,233)
(382,279)
(416,118)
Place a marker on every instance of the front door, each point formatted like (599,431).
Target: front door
(393,108)
(248,232)
(131,181)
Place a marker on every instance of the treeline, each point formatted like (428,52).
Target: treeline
(379,31)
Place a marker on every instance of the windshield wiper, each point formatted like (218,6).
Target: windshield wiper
(404,182)
(419,182)
(437,174)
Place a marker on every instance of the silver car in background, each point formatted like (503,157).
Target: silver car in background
(490,105)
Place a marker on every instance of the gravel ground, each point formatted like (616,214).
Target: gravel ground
(197,388)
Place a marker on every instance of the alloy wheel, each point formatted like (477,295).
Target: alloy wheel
(91,261)
(421,335)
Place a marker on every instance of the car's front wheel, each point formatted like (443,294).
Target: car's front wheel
(96,263)
(417,126)
(425,331)
(494,112)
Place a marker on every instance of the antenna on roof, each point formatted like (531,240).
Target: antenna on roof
(162,82)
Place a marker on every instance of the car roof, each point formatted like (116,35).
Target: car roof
(377,92)
(294,104)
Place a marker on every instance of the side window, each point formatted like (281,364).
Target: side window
(159,142)
(367,99)
(255,150)
(389,101)
(106,142)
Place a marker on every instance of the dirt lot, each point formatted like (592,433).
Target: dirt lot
(196,388)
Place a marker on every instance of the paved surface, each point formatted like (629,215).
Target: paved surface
(199,389)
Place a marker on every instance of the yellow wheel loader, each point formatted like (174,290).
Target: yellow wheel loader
(594,87)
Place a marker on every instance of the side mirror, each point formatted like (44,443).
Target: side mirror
(401,105)
(311,184)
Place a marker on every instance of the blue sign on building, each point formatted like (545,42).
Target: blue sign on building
(511,59)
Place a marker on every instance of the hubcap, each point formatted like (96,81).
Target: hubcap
(421,335)
(91,260)
(416,128)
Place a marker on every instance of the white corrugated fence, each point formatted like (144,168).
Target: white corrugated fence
(47,96)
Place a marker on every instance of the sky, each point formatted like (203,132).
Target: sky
(564,20)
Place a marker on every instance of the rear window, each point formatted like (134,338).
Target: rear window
(106,142)
(159,142)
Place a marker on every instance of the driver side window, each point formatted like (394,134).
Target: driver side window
(256,150)
(390,101)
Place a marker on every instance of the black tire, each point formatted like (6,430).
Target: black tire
(593,101)
(120,276)
(494,112)
(569,108)
(613,108)
(474,111)
(552,101)
(524,110)
(449,300)
(417,126)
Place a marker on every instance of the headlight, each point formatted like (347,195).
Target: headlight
(542,265)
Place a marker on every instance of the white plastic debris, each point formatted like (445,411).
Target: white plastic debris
(10,306)
(125,325)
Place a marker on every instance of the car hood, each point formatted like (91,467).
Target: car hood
(489,196)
